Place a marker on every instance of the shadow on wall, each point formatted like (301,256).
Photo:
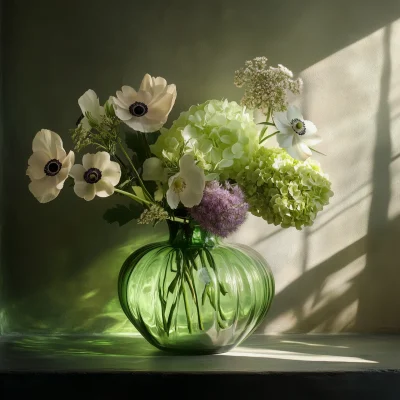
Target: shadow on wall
(61,260)
(373,292)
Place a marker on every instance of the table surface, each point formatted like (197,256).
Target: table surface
(258,354)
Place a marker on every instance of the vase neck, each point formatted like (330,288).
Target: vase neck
(188,235)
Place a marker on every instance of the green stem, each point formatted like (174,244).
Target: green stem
(132,196)
(192,285)
(267,137)
(146,192)
(187,310)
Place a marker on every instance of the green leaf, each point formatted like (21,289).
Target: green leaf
(266,123)
(139,192)
(123,214)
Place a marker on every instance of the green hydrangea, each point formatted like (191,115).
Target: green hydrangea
(284,191)
(221,135)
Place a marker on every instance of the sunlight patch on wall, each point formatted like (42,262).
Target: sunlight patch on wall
(343,97)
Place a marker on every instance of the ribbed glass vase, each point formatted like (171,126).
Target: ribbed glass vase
(194,294)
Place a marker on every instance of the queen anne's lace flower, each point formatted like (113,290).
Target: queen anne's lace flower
(284,191)
(154,214)
(49,166)
(266,87)
(220,135)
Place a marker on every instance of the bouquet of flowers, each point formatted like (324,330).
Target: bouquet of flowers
(203,175)
(210,168)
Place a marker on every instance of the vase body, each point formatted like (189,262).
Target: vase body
(194,294)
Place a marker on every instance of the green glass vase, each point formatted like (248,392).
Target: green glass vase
(194,294)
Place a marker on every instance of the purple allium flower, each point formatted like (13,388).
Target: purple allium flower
(222,210)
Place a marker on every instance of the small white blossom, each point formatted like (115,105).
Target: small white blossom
(295,134)
(49,166)
(187,186)
(146,110)
(89,103)
(97,176)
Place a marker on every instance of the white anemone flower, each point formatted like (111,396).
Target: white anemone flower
(89,103)
(97,176)
(146,110)
(295,133)
(187,186)
(48,166)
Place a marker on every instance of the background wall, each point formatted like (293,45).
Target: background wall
(61,260)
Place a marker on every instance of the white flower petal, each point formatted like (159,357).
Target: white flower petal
(118,103)
(284,140)
(282,123)
(143,124)
(88,161)
(299,150)
(85,190)
(100,160)
(61,177)
(112,173)
(126,101)
(194,178)
(88,101)
(47,141)
(310,138)
(37,162)
(78,172)
(160,82)
(67,164)
(190,198)
(104,188)
(61,154)
(159,109)
(122,114)
(129,94)
(186,161)
(69,160)
(44,189)
(171,89)
(172,198)
(293,112)
(146,84)
(310,127)
(153,170)
(143,97)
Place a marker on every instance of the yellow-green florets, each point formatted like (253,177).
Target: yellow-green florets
(284,191)
(222,136)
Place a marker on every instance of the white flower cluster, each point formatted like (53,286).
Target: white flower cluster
(154,214)
(266,88)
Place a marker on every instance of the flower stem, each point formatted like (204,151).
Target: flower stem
(135,171)
(267,137)
(187,310)
(132,196)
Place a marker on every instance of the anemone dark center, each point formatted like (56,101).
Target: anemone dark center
(52,168)
(298,126)
(138,109)
(92,175)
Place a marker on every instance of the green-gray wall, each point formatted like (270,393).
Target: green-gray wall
(60,261)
